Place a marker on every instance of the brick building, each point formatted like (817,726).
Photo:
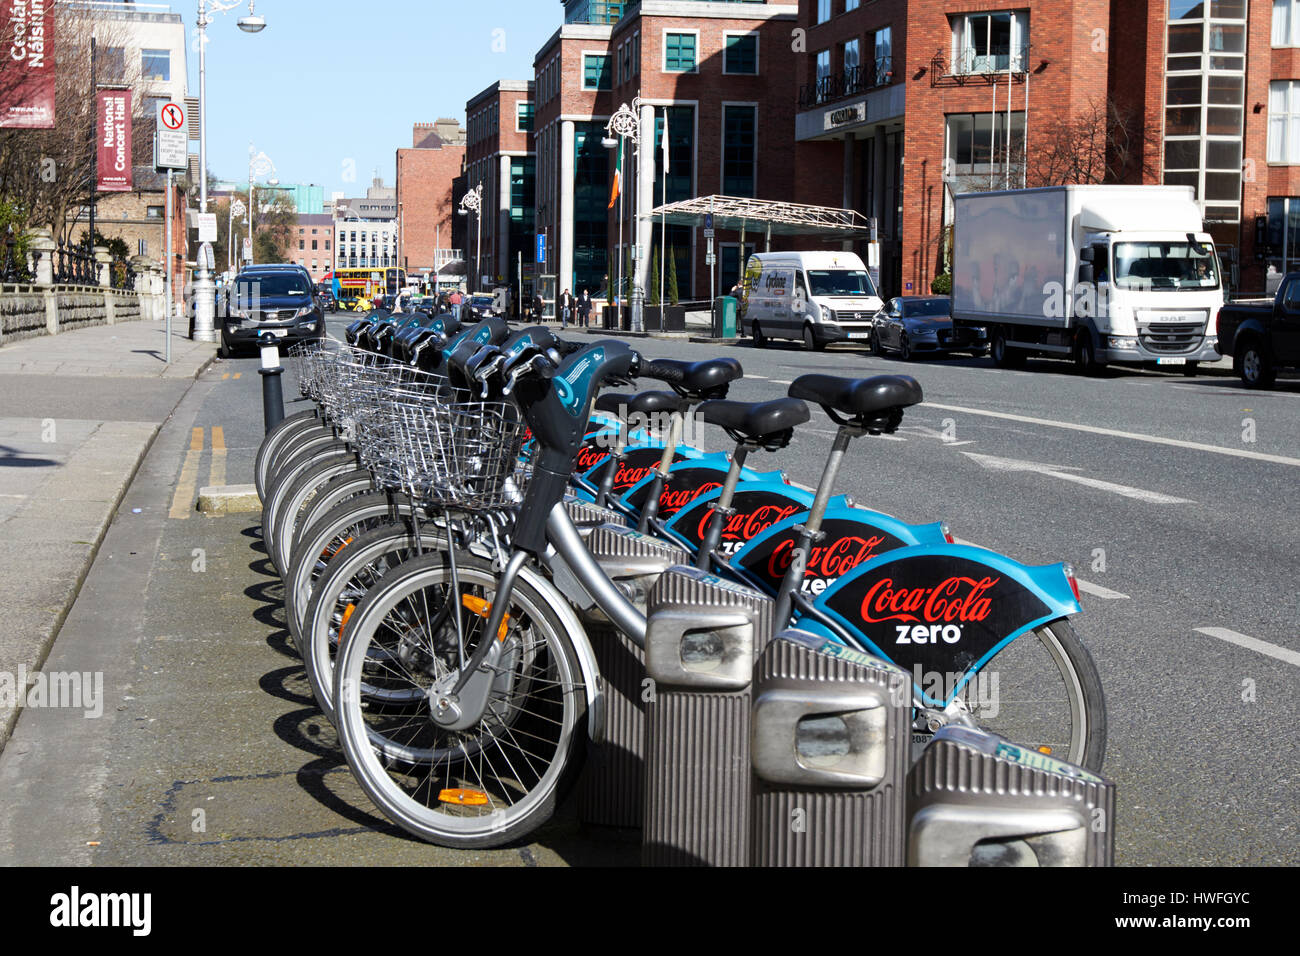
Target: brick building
(426,174)
(139,218)
(312,244)
(718,71)
(499,157)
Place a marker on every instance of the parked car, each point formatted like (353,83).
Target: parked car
(279,301)
(326,296)
(1263,335)
(911,325)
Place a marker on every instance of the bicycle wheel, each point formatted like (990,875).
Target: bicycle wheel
(349,574)
(293,501)
(319,543)
(496,781)
(337,490)
(275,440)
(293,446)
(1042,691)
(283,481)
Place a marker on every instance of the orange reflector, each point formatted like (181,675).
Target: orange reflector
(347,616)
(1045,750)
(330,552)
(466,798)
(483,609)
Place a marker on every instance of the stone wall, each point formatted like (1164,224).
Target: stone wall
(31,310)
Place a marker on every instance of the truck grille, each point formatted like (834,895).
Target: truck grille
(853,316)
(1172,338)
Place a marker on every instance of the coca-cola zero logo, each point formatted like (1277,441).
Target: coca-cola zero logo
(674,500)
(744,526)
(825,562)
(954,600)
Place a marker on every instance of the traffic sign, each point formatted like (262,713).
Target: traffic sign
(207,223)
(710,259)
(541,247)
(708,223)
(172,142)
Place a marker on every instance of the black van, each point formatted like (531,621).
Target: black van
(280,300)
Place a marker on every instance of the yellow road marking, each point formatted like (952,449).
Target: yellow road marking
(237,374)
(218,476)
(225,376)
(183,500)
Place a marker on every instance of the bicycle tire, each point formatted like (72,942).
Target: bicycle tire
(343,488)
(275,439)
(284,480)
(301,492)
(294,446)
(349,574)
(322,538)
(550,714)
(1031,712)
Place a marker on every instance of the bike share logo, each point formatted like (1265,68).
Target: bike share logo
(929,614)
(589,458)
(743,527)
(826,563)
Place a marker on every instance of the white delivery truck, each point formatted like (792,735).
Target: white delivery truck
(816,297)
(1094,273)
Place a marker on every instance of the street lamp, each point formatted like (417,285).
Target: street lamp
(259,164)
(204,298)
(626,124)
(473,202)
(237,209)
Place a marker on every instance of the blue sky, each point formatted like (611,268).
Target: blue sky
(335,85)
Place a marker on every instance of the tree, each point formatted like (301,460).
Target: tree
(1102,143)
(273,226)
(46,173)
(652,297)
(672,276)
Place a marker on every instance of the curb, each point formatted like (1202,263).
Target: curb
(229,500)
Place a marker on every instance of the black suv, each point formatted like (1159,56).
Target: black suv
(276,299)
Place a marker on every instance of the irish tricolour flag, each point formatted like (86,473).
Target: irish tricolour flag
(618,177)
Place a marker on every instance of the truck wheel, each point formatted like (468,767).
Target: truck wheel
(1254,364)
(810,339)
(760,340)
(1085,356)
(1190,369)
(1003,355)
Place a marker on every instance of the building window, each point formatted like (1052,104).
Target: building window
(154,212)
(302,244)
(739,155)
(1286,22)
(595,72)
(990,42)
(741,54)
(110,64)
(882,56)
(1284,122)
(854,80)
(823,10)
(977,147)
(523,117)
(850,5)
(314,246)
(327,245)
(823,75)
(156,65)
(679,52)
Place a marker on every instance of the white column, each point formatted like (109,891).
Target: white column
(850,175)
(503,220)
(564,224)
(647,163)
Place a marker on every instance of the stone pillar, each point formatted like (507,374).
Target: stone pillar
(40,241)
(850,176)
(143,288)
(105,270)
(564,224)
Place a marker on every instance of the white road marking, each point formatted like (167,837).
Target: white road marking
(1115,433)
(1096,590)
(1251,644)
(777,381)
(1057,471)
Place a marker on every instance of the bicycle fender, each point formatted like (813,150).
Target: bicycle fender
(757,505)
(688,480)
(577,634)
(638,462)
(850,536)
(945,608)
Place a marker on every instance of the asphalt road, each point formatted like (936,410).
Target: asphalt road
(1172,497)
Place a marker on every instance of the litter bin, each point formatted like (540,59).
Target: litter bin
(725,308)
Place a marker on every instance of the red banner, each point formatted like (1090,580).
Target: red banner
(27,64)
(113,141)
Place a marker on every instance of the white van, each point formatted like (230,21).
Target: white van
(816,297)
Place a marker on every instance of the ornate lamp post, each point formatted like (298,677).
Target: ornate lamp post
(204,298)
(626,124)
(473,202)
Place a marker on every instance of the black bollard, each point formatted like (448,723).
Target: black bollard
(272,392)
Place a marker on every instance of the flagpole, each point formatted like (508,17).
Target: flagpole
(663,232)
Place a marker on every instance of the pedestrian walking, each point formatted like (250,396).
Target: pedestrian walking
(538,307)
(566,308)
(584,308)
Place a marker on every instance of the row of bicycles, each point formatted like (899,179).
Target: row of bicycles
(460,503)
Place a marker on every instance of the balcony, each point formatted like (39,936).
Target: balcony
(854,80)
(973,66)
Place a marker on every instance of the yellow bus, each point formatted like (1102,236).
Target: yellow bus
(352,285)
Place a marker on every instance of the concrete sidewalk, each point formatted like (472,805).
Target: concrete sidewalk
(80,411)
